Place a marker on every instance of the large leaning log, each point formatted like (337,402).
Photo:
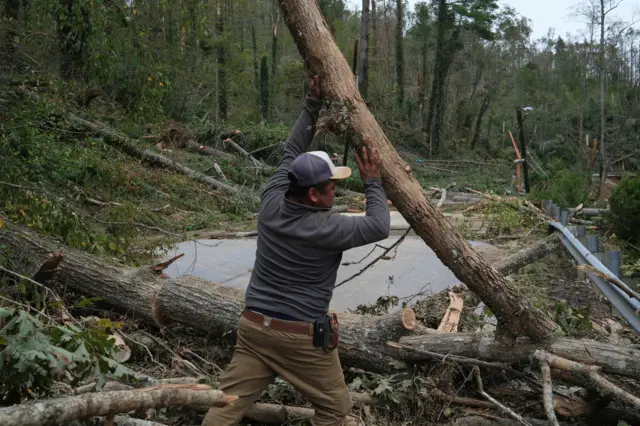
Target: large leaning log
(351,118)
(192,301)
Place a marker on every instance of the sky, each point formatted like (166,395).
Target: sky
(549,13)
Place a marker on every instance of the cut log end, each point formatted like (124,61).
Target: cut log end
(409,320)
(228,399)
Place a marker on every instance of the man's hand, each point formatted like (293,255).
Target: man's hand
(368,163)
(314,87)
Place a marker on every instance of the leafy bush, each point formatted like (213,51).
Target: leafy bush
(566,187)
(625,205)
(34,354)
(503,217)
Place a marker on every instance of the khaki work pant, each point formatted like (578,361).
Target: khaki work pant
(262,353)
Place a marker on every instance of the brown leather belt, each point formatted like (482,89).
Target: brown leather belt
(295,327)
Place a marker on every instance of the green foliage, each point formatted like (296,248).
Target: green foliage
(47,183)
(566,187)
(399,389)
(503,217)
(34,353)
(573,321)
(625,205)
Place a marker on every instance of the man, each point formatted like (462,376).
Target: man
(300,246)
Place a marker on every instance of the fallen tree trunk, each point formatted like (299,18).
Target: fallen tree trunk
(192,301)
(196,302)
(351,118)
(528,255)
(120,142)
(66,409)
(621,360)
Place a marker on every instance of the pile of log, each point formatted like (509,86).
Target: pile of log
(390,343)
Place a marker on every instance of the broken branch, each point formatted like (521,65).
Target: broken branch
(461,360)
(384,254)
(257,163)
(589,372)
(547,393)
(503,408)
(66,409)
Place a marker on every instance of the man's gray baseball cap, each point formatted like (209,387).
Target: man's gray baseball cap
(315,167)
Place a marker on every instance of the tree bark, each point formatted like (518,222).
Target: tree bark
(222,74)
(603,159)
(363,72)
(129,421)
(621,360)
(516,314)
(400,55)
(64,410)
(528,255)
(195,302)
(254,48)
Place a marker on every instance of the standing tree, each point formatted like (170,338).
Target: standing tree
(74,29)
(475,16)
(606,6)
(275,20)
(254,45)
(363,72)
(222,76)
(8,40)
(399,55)
(422,32)
(264,89)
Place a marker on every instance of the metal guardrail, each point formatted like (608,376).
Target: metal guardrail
(627,306)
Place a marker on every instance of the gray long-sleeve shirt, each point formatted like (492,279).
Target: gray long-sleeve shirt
(300,247)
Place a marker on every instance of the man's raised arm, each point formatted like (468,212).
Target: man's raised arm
(300,138)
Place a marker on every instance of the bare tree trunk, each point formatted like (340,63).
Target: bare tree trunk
(603,159)
(275,18)
(363,72)
(374,32)
(516,315)
(8,38)
(400,55)
(254,46)
(222,74)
